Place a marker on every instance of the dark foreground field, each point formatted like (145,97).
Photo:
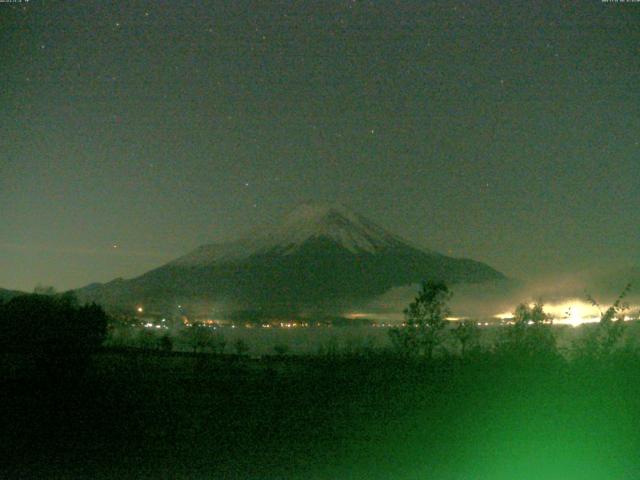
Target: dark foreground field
(136,415)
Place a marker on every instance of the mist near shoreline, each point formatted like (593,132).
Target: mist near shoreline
(557,292)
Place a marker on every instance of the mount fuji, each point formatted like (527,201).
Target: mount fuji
(319,257)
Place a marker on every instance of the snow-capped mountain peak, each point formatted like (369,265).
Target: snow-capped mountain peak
(333,222)
(308,221)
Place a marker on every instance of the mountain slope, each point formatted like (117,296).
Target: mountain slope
(318,257)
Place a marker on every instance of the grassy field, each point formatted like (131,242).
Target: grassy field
(154,415)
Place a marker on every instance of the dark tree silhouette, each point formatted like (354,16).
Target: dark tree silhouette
(466,332)
(530,334)
(425,320)
(147,340)
(54,330)
(217,343)
(166,343)
(602,339)
(197,336)
(202,337)
(241,347)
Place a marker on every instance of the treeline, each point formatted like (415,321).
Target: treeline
(530,333)
(53,331)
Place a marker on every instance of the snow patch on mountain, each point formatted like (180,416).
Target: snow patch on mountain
(336,223)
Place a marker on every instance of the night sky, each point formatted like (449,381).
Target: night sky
(132,132)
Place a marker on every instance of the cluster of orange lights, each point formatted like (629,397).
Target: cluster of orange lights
(285,324)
